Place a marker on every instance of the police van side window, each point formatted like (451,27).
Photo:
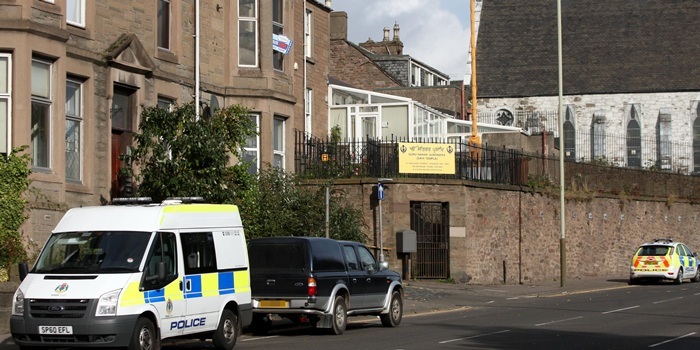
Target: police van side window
(198,252)
(164,250)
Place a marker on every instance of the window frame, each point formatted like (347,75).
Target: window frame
(308,22)
(160,26)
(278,142)
(253,149)
(6,95)
(46,102)
(308,111)
(81,20)
(254,20)
(79,119)
(278,60)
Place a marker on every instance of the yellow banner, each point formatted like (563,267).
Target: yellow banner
(426,158)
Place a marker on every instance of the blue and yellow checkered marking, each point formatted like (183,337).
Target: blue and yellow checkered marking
(204,285)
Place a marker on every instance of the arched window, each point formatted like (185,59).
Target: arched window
(634,140)
(598,136)
(569,136)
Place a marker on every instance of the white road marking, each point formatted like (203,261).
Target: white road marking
(670,340)
(568,319)
(261,338)
(474,336)
(667,300)
(618,310)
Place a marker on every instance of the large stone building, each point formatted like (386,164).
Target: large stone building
(629,97)
(76,74)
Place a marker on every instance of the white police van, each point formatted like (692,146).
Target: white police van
(131,275)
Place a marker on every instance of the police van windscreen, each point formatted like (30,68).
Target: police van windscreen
(93,252)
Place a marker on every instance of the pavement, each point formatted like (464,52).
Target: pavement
(428,296)
(432,296)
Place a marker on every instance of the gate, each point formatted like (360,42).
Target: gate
(430,220)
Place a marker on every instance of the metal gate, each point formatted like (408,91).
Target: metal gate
(430,220)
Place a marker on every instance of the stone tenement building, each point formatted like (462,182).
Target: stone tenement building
(76,74)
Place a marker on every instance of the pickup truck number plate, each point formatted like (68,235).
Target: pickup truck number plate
(55,329)
(278,304)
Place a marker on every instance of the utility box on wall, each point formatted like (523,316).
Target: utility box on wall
(406,241)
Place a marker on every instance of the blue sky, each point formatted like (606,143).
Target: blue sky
(436,32)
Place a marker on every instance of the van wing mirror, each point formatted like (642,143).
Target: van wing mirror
(23,270)
(159,273)
(160,269)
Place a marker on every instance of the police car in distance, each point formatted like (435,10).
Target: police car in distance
(664,259)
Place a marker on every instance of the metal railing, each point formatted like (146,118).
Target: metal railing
(317,158)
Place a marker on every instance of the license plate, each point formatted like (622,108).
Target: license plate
(55,329)
(650,263)
(279,304)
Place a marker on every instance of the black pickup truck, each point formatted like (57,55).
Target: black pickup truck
(320,281)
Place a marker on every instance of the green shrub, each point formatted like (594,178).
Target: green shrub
(14,182)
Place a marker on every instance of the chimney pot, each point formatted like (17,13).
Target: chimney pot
(386,33)
(396,31)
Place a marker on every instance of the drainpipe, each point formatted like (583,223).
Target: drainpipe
(196,60)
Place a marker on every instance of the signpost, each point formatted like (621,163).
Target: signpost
(380,197)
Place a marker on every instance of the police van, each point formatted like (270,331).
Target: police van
(131,275)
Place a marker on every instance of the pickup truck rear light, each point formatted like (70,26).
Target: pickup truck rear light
(312,287)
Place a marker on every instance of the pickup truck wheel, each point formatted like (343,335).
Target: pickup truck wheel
(340,316)
(144,336)
(393,317)
(225,336)
(261,324)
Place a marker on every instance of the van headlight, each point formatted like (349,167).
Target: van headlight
(107,304)
(18,303)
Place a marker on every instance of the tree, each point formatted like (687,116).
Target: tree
(175,155)
(278,204)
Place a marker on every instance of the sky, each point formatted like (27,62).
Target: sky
(435,32)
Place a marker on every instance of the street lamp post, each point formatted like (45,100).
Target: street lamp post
(562,241)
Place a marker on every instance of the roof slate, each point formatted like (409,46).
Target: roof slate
(609,46)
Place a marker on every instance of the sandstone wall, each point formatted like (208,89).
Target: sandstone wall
(502,234)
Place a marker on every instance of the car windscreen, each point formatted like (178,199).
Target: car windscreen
(654,250)
(290,257)
(93,252)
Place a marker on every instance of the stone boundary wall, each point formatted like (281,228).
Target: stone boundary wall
(505,234)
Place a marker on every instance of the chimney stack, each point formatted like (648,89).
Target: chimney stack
(386,34)
(339,25)
(396,32)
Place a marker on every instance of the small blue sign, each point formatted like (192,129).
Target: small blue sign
(380,191)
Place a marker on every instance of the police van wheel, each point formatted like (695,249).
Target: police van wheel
(144,336)
(226,334)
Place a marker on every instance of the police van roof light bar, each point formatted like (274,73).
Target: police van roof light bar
(131,200)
